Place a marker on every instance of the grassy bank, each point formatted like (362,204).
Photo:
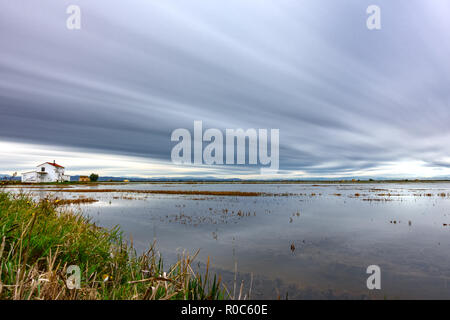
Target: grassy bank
(38,242)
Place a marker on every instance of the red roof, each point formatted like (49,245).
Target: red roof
(55,164)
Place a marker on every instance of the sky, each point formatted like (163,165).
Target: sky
(348,101)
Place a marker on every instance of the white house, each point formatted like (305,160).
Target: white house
(46,172)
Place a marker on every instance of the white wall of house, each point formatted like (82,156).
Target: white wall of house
(29,176)
(46,172)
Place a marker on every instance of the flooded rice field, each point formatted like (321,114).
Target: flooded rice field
(296,241)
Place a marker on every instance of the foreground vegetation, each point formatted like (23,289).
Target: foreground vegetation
(38,242)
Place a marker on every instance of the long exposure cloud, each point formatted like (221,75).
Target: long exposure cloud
(347,100)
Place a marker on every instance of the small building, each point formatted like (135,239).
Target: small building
(126,180)
(84,179)
(46,172)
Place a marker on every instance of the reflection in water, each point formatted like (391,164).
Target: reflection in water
(315,242)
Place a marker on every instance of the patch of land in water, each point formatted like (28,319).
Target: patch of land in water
(63,202)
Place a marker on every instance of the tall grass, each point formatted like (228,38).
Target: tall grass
(39,241)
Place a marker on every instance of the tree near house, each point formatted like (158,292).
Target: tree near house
(93,177)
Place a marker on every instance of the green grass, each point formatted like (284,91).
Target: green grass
(38,242)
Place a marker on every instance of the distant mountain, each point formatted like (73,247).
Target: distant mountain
(139,179)
(9,177)
(106,178)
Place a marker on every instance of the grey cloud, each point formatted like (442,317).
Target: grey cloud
(344,98)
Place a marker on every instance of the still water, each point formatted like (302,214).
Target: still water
(304,242)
